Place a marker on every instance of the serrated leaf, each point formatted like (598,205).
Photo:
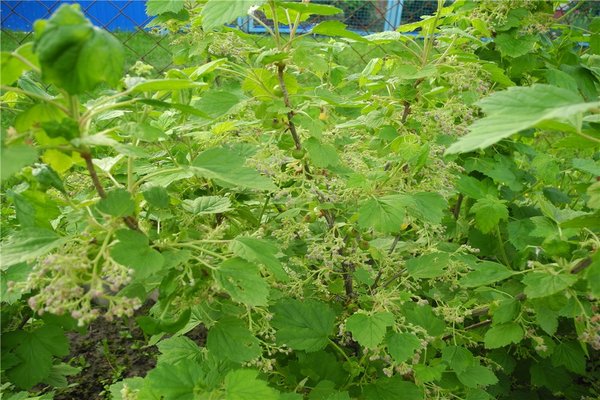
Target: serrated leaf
(157,196)
(259,251)
(587,165)
(477,375)
(28,244)
(512,46)
(394,388)
(176,382)
(322,155)
(303,325)
(217,103)
(34,351)
(402,346)
(216,13)
(489,211)
(157,7)
(458,358)
(155,85)
(243,384)
(428,266)
(507,311)
(178,349)
(242,281)
(133,251)
(230,338)
(503,335)
(118,203)
(571,356)
(227,166)
(427,206)
(428,373)
(384,214)
(336,28)
(542,284)
(485,273)
(207,205)
(369,330)
(516,109)
(14,158)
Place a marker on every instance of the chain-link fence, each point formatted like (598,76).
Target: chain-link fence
(128,21)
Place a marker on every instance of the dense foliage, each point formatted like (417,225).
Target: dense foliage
(421,226)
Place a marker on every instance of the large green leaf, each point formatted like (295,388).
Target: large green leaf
(242,281)
(458,358)
(118,203)
(227,166)
(230,338)
(517,109)
(477,375)
(428,266)
(74,55)
(216,13)
(485,273)
(303,325)
(384,214)
(242,384)
(176,382)
(336,28)
(157,7)
(207,205)
(14,158)
(402,346)
(394,388)
(28,244)
(259,251)
(542,284)
(503,335)
(34,351)
(369,330)
(133,251)
(178,349)
(571,356)
(489,211)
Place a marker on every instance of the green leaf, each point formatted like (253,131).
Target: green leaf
(503,335)
(369,329)
(571,356)
(155,85)
(157,7)
(402,346)
(118,203)
(28,244)
(229,338)
(336,28)
(14,158)
(516,109)
(74,55)
(259,251)
(216,13)
(485,273)
(477,375)
(242,281)
(394,388)
(512,46)
(428,266)
(322,155)
(428,373)
(157,196)
(207,205)
(12,67)
(507,311)
(489,211)
(34,351)
(458,358)
(384,214)
(227,166)
(587,165)
(423,316)
(133,251)
(176,382)
(243,384)
(311,8)
(217,103)
(178,349)
(542,284)
(303,325)
(427,206)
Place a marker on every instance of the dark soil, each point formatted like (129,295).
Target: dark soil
(108,353)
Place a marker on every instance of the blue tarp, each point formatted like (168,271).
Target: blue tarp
(114,15)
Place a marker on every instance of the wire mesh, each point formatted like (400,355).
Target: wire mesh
(128,22)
